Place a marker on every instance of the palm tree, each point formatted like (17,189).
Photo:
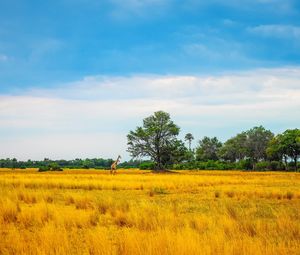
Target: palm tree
(189,137)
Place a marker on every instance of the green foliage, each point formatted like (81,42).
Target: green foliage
(258,139)
(77,163)
(262,166)
(275,150)
(130,164)
(44,168)
(240,165)
(244,164)
(208,149)
(55,167)
(235,148)
(50,167)
(275,166)
(157,139)
(290,145)
(189,137)
(147,166)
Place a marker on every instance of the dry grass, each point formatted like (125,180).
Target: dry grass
(138,212)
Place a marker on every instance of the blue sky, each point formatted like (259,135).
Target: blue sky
(91,70)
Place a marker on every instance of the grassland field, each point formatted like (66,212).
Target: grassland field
(139,212)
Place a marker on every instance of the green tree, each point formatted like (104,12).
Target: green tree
(234,148)
(290,144)
(157,139)
(14,163)
(189,138)
(208,149)
(276,150)
(176,153)
(258,139)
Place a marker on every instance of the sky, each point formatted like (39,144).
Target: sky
(77,75)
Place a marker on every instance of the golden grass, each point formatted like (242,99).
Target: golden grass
(138,212)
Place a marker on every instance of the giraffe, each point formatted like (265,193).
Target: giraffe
(113,167)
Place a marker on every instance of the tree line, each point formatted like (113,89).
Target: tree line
(48,164)
(256,148)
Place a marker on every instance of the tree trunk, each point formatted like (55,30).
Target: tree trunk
(254,164)
(285,163)
(296,159)
(159,165)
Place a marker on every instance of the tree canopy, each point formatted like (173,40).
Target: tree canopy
(208,148)
(157,139)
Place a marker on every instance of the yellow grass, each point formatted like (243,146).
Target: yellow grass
(138,212)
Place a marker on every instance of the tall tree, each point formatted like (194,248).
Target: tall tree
(257,142)
(189,137)
(157,139)
(277,151)
(290,144)
(208,149)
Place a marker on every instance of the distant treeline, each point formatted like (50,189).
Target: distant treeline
(97,163)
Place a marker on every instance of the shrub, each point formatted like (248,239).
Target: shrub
(147,166)
(262,166)
(200,165)
(244,164)
(276,165)
(51,167)
(44,168)
(55,167)
(178,166)
(211,165)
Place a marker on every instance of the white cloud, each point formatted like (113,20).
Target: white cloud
(276,30)
(92,116)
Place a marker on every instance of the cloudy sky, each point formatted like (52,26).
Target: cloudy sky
(77,75)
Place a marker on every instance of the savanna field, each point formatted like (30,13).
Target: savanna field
(139,212)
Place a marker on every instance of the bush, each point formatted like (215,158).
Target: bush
(55,167)
(44,168)
(211,165)
(147,166)
(51,167)
(200,165)
(229,166)
(244,164)
(262,166)
(178,166)
(241,165)
(275,166)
